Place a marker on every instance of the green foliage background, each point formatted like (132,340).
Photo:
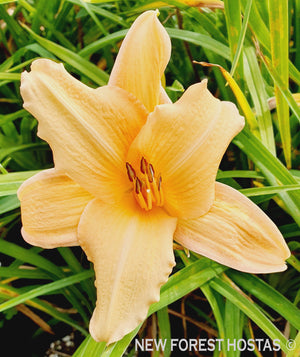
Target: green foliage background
(258,43)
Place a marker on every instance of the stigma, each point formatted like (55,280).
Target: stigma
(147,187)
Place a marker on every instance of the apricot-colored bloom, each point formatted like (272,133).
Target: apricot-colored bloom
(133,172)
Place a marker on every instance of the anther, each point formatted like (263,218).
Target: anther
(151,173)
(159,183)
(138,186)
(161,192)
(144,165)
(130,172)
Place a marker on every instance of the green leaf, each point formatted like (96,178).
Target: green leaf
(217,307)
(200,40)
(268,295)
(76,267)
(28,256)
(250,309)
(42,306)
(9,183)
(102,42)
(100,11)
(241,38)
(46,289)
(239,173)
(259,96)
(85,67)
(278,12)
(274,171)
(10,151)
(281,86)
(20,273)
(261,31)
(11,77)
(187,280)
(15,29)
(294,347)
(233,326)
(258,191)
(164,329)
(8,203)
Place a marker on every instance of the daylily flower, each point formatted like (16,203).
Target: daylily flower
(132,172)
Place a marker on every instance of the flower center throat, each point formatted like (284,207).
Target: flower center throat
(147,188)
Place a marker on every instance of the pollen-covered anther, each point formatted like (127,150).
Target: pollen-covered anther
(147,188)
(130,172)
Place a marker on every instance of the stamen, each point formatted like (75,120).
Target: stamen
(139,196)
(154,190)
(130,172)
(161,192)
(149,198)
(144,170)
(159,183)
(147,188)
